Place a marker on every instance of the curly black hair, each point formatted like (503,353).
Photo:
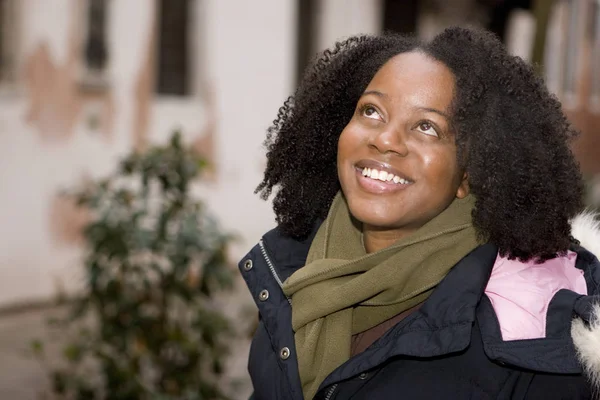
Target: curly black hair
(512,139)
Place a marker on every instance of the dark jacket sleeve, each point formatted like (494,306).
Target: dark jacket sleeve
(555,387)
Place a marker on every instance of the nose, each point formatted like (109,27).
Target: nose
(389,140)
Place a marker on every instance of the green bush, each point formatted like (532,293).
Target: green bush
(148,327)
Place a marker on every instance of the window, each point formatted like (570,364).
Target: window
(96,54)
(306,35)
(400,16)
(95,50)
(174,58)
(8,41)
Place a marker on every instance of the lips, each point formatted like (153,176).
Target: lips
(372,185)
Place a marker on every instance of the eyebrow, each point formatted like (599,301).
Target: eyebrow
(376,93)
(435,110)
(428,109)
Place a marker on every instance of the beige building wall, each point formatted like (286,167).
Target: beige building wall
(55,133)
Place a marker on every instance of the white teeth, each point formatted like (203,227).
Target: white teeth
(383,176)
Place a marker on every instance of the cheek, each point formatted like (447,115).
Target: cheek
(442,169)
(341,146)
(347,142)
(342,155)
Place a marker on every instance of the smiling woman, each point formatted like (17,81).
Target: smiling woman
(425,193)
(400,130)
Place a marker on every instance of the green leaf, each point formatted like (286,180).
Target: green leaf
(37,347)
(73,353)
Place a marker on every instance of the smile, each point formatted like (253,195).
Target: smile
(383,176)
(379,181)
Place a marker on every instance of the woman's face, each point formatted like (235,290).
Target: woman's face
(396,158)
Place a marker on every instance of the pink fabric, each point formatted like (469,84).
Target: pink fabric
(521,292)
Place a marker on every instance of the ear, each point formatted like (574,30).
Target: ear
(463,188)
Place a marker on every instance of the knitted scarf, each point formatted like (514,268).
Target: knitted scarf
(343,290)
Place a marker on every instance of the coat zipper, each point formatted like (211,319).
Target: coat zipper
(330,392)
(263,250)
(272,267)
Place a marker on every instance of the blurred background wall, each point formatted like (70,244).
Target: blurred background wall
(83,82)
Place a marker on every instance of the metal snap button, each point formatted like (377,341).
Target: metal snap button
(284,354)
(248,265)
(363,376)
(263,295)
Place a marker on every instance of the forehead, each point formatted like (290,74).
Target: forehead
(417,78)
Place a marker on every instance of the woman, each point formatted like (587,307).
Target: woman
(424,193)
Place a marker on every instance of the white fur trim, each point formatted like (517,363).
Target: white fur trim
(587,342)
(586,228)
(586,337)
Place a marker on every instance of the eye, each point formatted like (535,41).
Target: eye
(427,128)
(370,112)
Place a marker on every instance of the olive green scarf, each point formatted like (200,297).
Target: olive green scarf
(343,291)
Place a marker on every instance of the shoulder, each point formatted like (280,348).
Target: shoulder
(286,249)
(521,292)
(279,252)
(534,301)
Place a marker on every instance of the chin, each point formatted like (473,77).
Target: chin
(379,223)
(373,214)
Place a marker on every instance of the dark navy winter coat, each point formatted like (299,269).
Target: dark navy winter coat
(450,348)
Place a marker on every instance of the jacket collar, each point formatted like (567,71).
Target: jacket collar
(288,254)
